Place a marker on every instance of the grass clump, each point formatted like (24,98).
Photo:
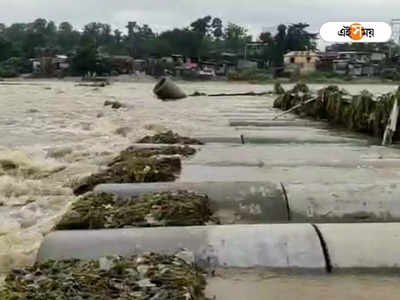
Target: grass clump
(151,276)
(362,113)
(135,165)
(100,211)
(169,137)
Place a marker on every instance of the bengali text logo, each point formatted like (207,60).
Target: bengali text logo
(366,32)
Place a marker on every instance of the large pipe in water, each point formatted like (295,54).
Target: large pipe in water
(286,246)
(258,202)
(331,247)
(344,203)
(232,202)
(362,246)
(165,89)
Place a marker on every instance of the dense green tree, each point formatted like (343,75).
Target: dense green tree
(6,49)
(3,28)
(138,39)
(67,37)
(92,32)
(16,32)
(117,36)
(202,26)
(217,28)
(86,58)
(236,37)
(205,37)
(266,38)
(35,37)
(294,37)
(298,39)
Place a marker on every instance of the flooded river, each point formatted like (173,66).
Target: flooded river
(54,132)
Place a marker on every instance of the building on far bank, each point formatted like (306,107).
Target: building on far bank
(50,66)
(122,64)
(302,62)
(358,63)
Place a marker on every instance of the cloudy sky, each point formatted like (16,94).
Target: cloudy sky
(256,15)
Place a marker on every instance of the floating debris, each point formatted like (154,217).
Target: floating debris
(59,152)
(114,104)
(197,94)
(138,165)
(301,87)
(96,79)
(123,131)
(104,211)
(133,169)
(362,113)
(185,151)
(95,84)
(32,111)
(147,277)
(278,89)
(169,137)
(239,94)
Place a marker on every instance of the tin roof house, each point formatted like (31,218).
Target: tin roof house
(301,61)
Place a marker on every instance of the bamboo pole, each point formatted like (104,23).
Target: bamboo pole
(391,126)
(295,107)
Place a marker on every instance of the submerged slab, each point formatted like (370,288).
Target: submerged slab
(297,155)
(362,246)
(293,246)
(312,136)
(276,123)
(232,202)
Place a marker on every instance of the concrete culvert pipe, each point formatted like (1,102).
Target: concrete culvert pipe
(165,89)
(343,203)
(362,246)
(231,202)
(287,246)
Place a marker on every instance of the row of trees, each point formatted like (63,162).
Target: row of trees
(28,39)
(205,36)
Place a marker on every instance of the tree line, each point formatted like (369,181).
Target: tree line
(205,37)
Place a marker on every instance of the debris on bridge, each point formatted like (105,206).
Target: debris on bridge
(278,89)
(169,137)
(138,165)
(146,277)
(363,113)
(105,211)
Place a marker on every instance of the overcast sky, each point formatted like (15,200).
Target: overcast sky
(256,15)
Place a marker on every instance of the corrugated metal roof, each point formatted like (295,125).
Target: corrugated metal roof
(301,53)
